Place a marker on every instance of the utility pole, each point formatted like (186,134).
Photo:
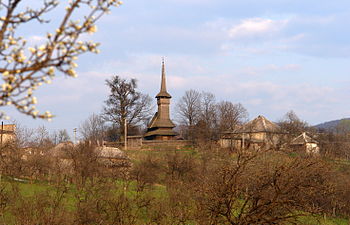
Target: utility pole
(2,130)
(75,135)
(125,135)
(243,142)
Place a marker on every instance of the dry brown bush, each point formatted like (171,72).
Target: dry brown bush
(264,189)
(208,187)
(146,172)
(45,207)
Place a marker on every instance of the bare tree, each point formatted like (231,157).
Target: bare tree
(84,162)
(23,67)
(125,103)
(42,139)
(273,189)
(60,136)
(205,129)
(188,108)
(93,128)
(292,126)
(230,115)
(24,135)
(208,109)
(63,136)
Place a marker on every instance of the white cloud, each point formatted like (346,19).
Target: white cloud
(253,27)
(292,67)
(316,20)
(255,101)
(255,70)
(176,82)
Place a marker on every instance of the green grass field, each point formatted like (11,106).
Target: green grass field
(29,189)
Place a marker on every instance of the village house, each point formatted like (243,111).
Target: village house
(7,133)
(305,143)
(256,134)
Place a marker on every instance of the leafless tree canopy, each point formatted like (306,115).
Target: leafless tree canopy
(126,103)
(208,109)
(188,107)
(201,117)
(93,128)
(230,115)
(293,126)
(60,136)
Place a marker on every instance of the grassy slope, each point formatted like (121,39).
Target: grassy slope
(159,191)
(28,189)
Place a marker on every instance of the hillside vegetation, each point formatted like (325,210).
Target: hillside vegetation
(192,186)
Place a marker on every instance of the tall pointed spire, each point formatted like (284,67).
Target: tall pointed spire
(163,85)
(163,92)
(161,126)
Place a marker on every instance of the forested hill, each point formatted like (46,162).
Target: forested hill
(332,125)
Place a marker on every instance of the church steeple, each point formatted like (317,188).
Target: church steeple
(163,92)
(161,126)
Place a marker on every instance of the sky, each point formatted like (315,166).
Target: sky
(272,56)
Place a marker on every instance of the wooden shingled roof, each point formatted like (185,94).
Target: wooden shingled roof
(260,124)
(303,139)
(158,122)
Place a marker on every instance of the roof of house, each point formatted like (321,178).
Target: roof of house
(60,149)
(102,152)
(303,139)
(111,153)
(259,124)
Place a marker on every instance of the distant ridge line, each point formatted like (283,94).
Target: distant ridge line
(330,125)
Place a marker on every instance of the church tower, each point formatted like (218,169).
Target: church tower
(161,127)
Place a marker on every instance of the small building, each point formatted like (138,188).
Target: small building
(256,134)
(305,143)
(134,141)
(112,157)
(60,150)
(161,126)
(7,133)
(107,156)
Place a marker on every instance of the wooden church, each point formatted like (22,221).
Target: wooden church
(161,126)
